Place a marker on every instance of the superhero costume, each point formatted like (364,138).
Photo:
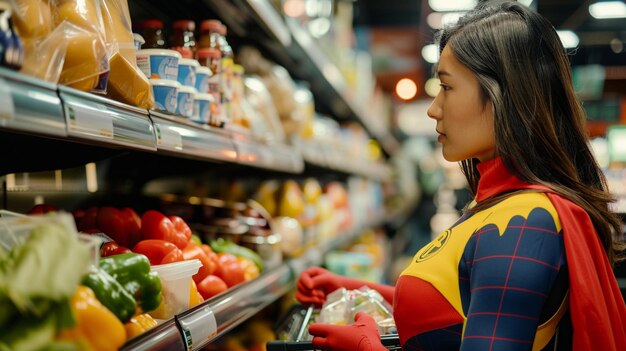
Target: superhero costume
(482,283)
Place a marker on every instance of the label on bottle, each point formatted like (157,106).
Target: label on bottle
(7,109)
(168,138)
(89,120)
(198,328)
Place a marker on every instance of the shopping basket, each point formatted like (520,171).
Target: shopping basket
(294,329)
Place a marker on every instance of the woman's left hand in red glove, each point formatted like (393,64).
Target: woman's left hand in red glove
(361,336)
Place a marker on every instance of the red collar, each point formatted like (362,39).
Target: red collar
(495,178)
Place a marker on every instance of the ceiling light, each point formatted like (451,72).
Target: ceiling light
(430,53)
(608,9)
(568,38)
(452,5)
(406,89)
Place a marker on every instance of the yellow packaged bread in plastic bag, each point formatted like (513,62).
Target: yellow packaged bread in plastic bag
(118,29)
(85,59)
(127,84)
(32,18)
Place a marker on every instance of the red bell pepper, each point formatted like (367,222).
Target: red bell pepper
(123,226)
(155,225)
(207,257)
(159,251)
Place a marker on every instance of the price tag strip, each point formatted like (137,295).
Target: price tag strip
(93,121)
(198,328)
(168,138)
(7,109)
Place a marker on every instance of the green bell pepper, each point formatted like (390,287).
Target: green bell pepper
(111,294)
(132,271)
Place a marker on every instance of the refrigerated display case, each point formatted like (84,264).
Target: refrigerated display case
(45,126)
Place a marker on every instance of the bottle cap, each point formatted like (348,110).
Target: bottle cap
(153,23)
(208,53)
(210,25)
(184,24)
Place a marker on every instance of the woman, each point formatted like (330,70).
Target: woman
(539,225)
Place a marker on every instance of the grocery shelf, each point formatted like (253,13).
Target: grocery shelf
(101,120)
(275,156)
(179,136)
(271,21)
(198,326)
(30,105)
(165,336)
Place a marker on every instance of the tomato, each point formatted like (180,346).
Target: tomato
(211,286)
(159,251)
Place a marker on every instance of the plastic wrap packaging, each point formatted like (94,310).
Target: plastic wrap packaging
(260,100)
(126,83)
(44,58)
(33,18)
(342,305)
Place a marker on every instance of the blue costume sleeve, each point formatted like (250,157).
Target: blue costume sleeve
(509,276)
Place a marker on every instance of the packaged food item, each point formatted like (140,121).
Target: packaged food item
(85,65)
(153,34)
(117,28)
(183,38)
(260,100)
(33,18)
(129,85)
(175,279)
(212,58)
(165,94)
(213,35)
(138,40)
(11,49)
(203,74)
(202,107)
(187,72)
(159,63)
(185,105)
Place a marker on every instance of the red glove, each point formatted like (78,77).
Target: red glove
(361,336)
(316,283)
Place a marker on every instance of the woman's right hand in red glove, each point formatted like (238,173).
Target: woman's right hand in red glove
(315,283)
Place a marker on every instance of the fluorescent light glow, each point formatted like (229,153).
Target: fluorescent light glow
(430,53)
(568,38)
(525,2)
(608,9)
(452,5)
(92,177)
(438,20)
(406,88)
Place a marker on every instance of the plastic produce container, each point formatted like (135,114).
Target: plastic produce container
(175,280)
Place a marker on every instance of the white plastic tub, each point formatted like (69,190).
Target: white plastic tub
(176,281)
(159,63)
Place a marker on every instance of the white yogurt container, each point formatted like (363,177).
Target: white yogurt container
(159,63)
(202,108)
(186,97)
(187,72)
(165,94)
(202,78)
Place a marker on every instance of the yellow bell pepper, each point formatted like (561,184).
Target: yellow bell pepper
(194,296)
(96,328)
(139,324)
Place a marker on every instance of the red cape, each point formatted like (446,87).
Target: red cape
(597,307)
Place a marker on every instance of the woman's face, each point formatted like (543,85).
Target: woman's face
(464,123)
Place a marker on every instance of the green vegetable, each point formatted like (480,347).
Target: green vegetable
(220,245)
(111,294)
(28,334)
(132,271)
